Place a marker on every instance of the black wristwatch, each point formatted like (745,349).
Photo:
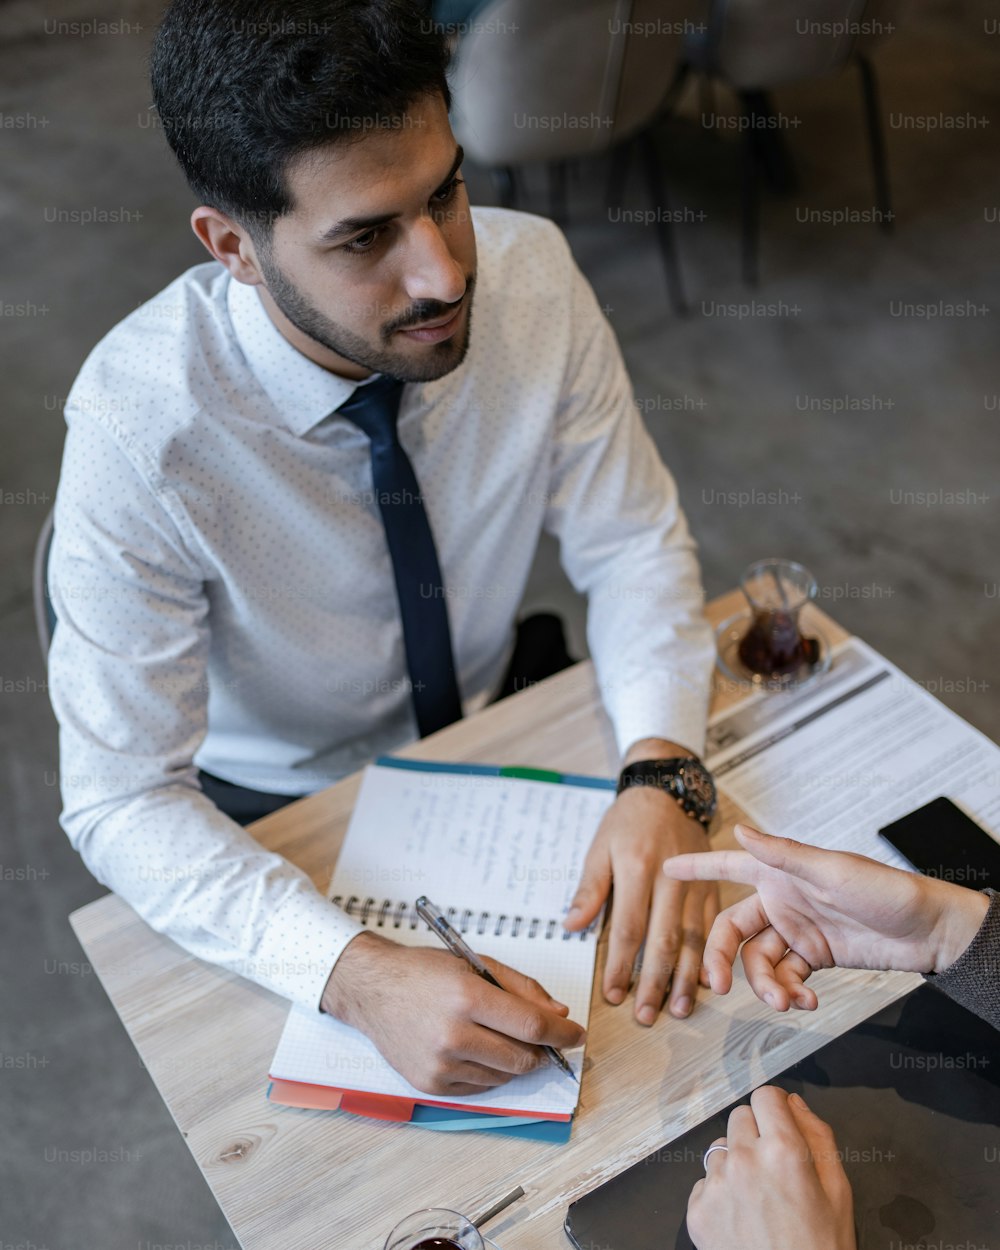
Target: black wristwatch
(685,777)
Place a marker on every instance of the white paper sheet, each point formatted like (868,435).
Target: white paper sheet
(832,763)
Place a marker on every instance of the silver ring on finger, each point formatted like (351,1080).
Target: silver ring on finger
(704,1157)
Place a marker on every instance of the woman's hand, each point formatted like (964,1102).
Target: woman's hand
(824,909)
(779,1186)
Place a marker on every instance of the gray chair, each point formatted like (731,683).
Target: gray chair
(754,46)
(45,617)
(526,65)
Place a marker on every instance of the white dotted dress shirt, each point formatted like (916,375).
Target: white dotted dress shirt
(225,597)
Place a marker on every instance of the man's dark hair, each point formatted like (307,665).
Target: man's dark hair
(243,86)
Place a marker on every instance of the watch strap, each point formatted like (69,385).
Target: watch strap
(666,774)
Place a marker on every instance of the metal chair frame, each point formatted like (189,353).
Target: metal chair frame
(45,617)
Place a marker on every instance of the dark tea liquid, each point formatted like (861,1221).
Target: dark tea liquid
(437,1243)
(773,644)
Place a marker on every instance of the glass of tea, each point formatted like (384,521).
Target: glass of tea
(777,591)
(435,1229)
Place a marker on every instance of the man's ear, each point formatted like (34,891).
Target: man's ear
(228,243)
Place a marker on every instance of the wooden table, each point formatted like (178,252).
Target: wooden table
(315,1180)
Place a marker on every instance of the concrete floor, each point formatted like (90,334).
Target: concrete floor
(736,405)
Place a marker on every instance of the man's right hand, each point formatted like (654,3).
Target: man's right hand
(442,1027)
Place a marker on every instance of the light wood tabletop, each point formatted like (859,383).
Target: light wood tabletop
(316,1180)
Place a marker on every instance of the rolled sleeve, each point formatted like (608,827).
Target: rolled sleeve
(129,686)
(625,543)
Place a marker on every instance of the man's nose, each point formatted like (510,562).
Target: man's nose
(432,272)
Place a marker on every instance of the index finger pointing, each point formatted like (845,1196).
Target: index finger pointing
(714,866)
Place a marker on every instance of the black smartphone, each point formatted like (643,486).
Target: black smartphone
(940,841)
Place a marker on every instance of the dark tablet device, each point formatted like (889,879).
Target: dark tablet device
(939,840)
(913,1095)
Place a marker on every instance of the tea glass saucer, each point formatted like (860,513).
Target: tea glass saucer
(730,633)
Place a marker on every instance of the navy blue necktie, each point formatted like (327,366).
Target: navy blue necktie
(419,586)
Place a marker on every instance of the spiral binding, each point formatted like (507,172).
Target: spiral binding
(387,913)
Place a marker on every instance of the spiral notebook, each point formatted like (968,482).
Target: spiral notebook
(501,852)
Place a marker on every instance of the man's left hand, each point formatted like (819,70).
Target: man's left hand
(643,827)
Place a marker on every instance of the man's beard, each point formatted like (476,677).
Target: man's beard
(439,359)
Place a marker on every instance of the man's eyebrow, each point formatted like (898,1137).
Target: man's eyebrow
(456,165)
(352,225)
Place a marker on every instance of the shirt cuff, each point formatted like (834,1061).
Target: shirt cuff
(303,940)
(653,708)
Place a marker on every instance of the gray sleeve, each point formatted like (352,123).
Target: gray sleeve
(973,980)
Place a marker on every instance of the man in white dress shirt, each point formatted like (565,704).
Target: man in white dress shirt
(229,611)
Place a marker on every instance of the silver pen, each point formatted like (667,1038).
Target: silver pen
(455,943)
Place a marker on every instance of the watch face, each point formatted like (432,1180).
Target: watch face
(698,785)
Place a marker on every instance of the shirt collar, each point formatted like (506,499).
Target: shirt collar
(303,393)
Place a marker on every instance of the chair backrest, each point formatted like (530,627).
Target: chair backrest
(551,79)
(651,50)
(766,43)
(45,617)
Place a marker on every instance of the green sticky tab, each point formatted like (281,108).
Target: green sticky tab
(533,774)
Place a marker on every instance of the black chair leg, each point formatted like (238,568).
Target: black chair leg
(706,97)
(664,228)
(676,88)
(621,162)
(506,187)
(876,141)
(558,200)
(751,211)
(773,155)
